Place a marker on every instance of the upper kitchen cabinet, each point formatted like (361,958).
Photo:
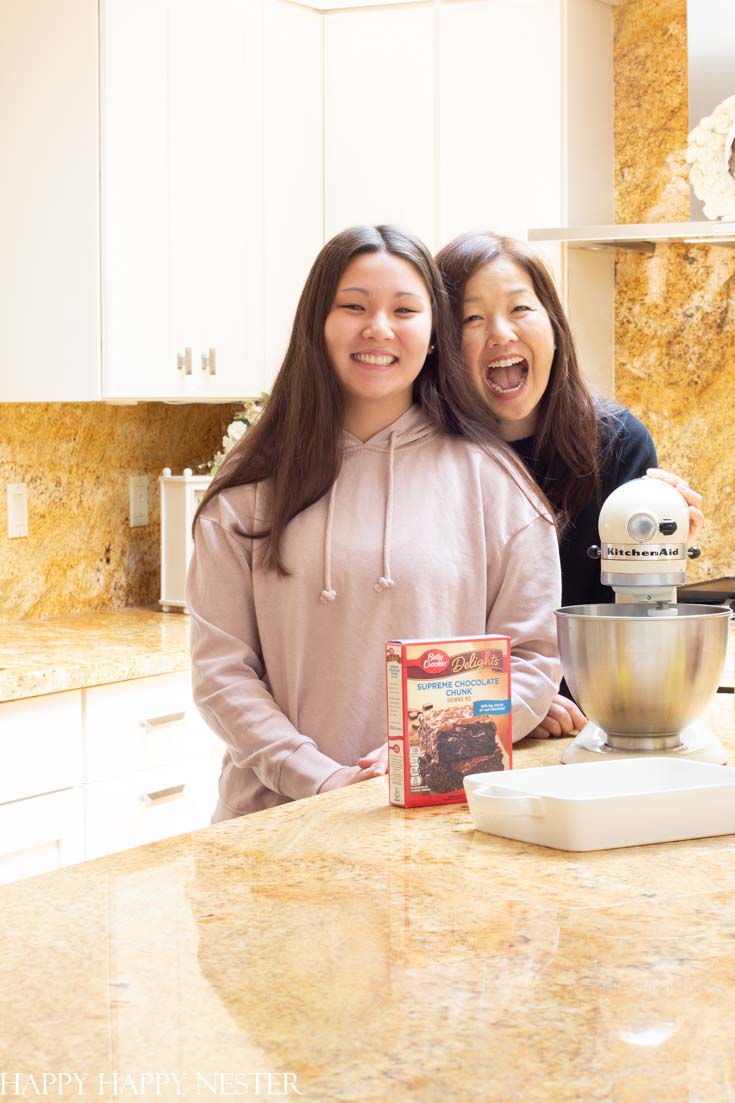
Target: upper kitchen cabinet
(49,201)
(459,114)
(153,248)
(379,118)
(499,116)
(201,237)
(293,171)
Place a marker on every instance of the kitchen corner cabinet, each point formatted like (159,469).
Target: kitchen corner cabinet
(93,771)
(154,250)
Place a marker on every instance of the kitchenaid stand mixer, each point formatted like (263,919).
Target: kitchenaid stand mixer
(644,669)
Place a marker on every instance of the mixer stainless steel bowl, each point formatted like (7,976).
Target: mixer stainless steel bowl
(641,671)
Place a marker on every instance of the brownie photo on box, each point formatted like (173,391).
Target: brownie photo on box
(454,743)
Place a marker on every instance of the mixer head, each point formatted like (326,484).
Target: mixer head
(643,529)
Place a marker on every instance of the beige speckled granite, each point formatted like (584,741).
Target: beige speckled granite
(675,309)
(379,954)
(76,458)
(651,111)
(39,657)
(675,368)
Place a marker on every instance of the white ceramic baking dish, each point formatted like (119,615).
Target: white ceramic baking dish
(596,806)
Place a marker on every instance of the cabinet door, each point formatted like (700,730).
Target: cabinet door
(379,119)
(140,724)
(49,202)
(216,119)
(182,198)
(40,745)
(500,156)
(138,358)
(150,805)
(292,164)
(41,834)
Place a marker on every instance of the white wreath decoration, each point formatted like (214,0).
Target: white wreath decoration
(709,147)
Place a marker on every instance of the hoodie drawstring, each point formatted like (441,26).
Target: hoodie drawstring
(385,581)
(328,594)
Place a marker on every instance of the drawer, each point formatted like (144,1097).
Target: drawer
(150,804)
(41,834)
(135,725)
(40,745)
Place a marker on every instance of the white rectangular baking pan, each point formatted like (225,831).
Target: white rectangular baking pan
(596,806)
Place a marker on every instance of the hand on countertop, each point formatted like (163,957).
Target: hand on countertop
(350,775)
(691,497)
(377,758)
(563,718)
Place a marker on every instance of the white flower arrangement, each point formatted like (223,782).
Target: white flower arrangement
(709,148)
(236,430)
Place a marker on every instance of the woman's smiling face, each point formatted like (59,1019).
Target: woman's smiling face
(507,344)
(377,332)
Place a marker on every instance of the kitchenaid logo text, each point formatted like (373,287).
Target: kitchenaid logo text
(651,551)
(72,1085)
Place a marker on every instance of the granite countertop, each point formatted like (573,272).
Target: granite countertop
(376,955)
(46,656)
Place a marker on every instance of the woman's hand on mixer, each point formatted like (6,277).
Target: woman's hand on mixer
(692,499)
(563,718)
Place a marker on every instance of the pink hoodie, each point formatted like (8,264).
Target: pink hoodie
(422,535)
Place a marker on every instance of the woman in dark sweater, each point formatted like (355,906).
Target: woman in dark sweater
(518,346)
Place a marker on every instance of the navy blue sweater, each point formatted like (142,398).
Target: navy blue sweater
(626,457)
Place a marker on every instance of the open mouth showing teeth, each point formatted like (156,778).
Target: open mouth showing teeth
(506,377)
(375,361)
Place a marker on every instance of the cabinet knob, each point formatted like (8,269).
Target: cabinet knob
(183,362)
(209,362)
(163,794)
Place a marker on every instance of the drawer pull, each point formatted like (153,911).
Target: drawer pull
(159,721)
(163,794)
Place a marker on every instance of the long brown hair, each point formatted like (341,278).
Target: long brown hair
(569,433)
(296,442)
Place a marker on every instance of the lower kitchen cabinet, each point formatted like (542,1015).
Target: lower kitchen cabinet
(150,805)
(41,834)
(94,771)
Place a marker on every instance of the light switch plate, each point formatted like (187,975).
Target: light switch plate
(138,501)
(17,510)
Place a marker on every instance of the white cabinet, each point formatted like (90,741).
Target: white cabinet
(165,260)
(182,198)
(49,206)
(40,745)
(41,834)
(152,764)
(211,192)
(293,170)
(499,116)
(158,217)
(93,771)
(41,770)
(379,108)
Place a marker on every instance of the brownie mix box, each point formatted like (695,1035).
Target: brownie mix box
(448,715)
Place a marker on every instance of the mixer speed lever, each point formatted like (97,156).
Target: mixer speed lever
(694,553)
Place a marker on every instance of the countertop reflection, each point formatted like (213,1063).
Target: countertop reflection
(359,952)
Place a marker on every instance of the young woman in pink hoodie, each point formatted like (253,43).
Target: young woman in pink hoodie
(371,501)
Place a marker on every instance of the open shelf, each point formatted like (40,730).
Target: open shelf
(641,237)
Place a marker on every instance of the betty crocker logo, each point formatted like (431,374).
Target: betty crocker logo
(434,662)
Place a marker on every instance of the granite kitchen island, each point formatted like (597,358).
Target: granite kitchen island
(359,952)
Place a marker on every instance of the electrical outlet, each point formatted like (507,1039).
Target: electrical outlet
(138,501)
(17,510)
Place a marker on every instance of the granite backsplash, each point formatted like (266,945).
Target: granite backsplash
(80,554)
